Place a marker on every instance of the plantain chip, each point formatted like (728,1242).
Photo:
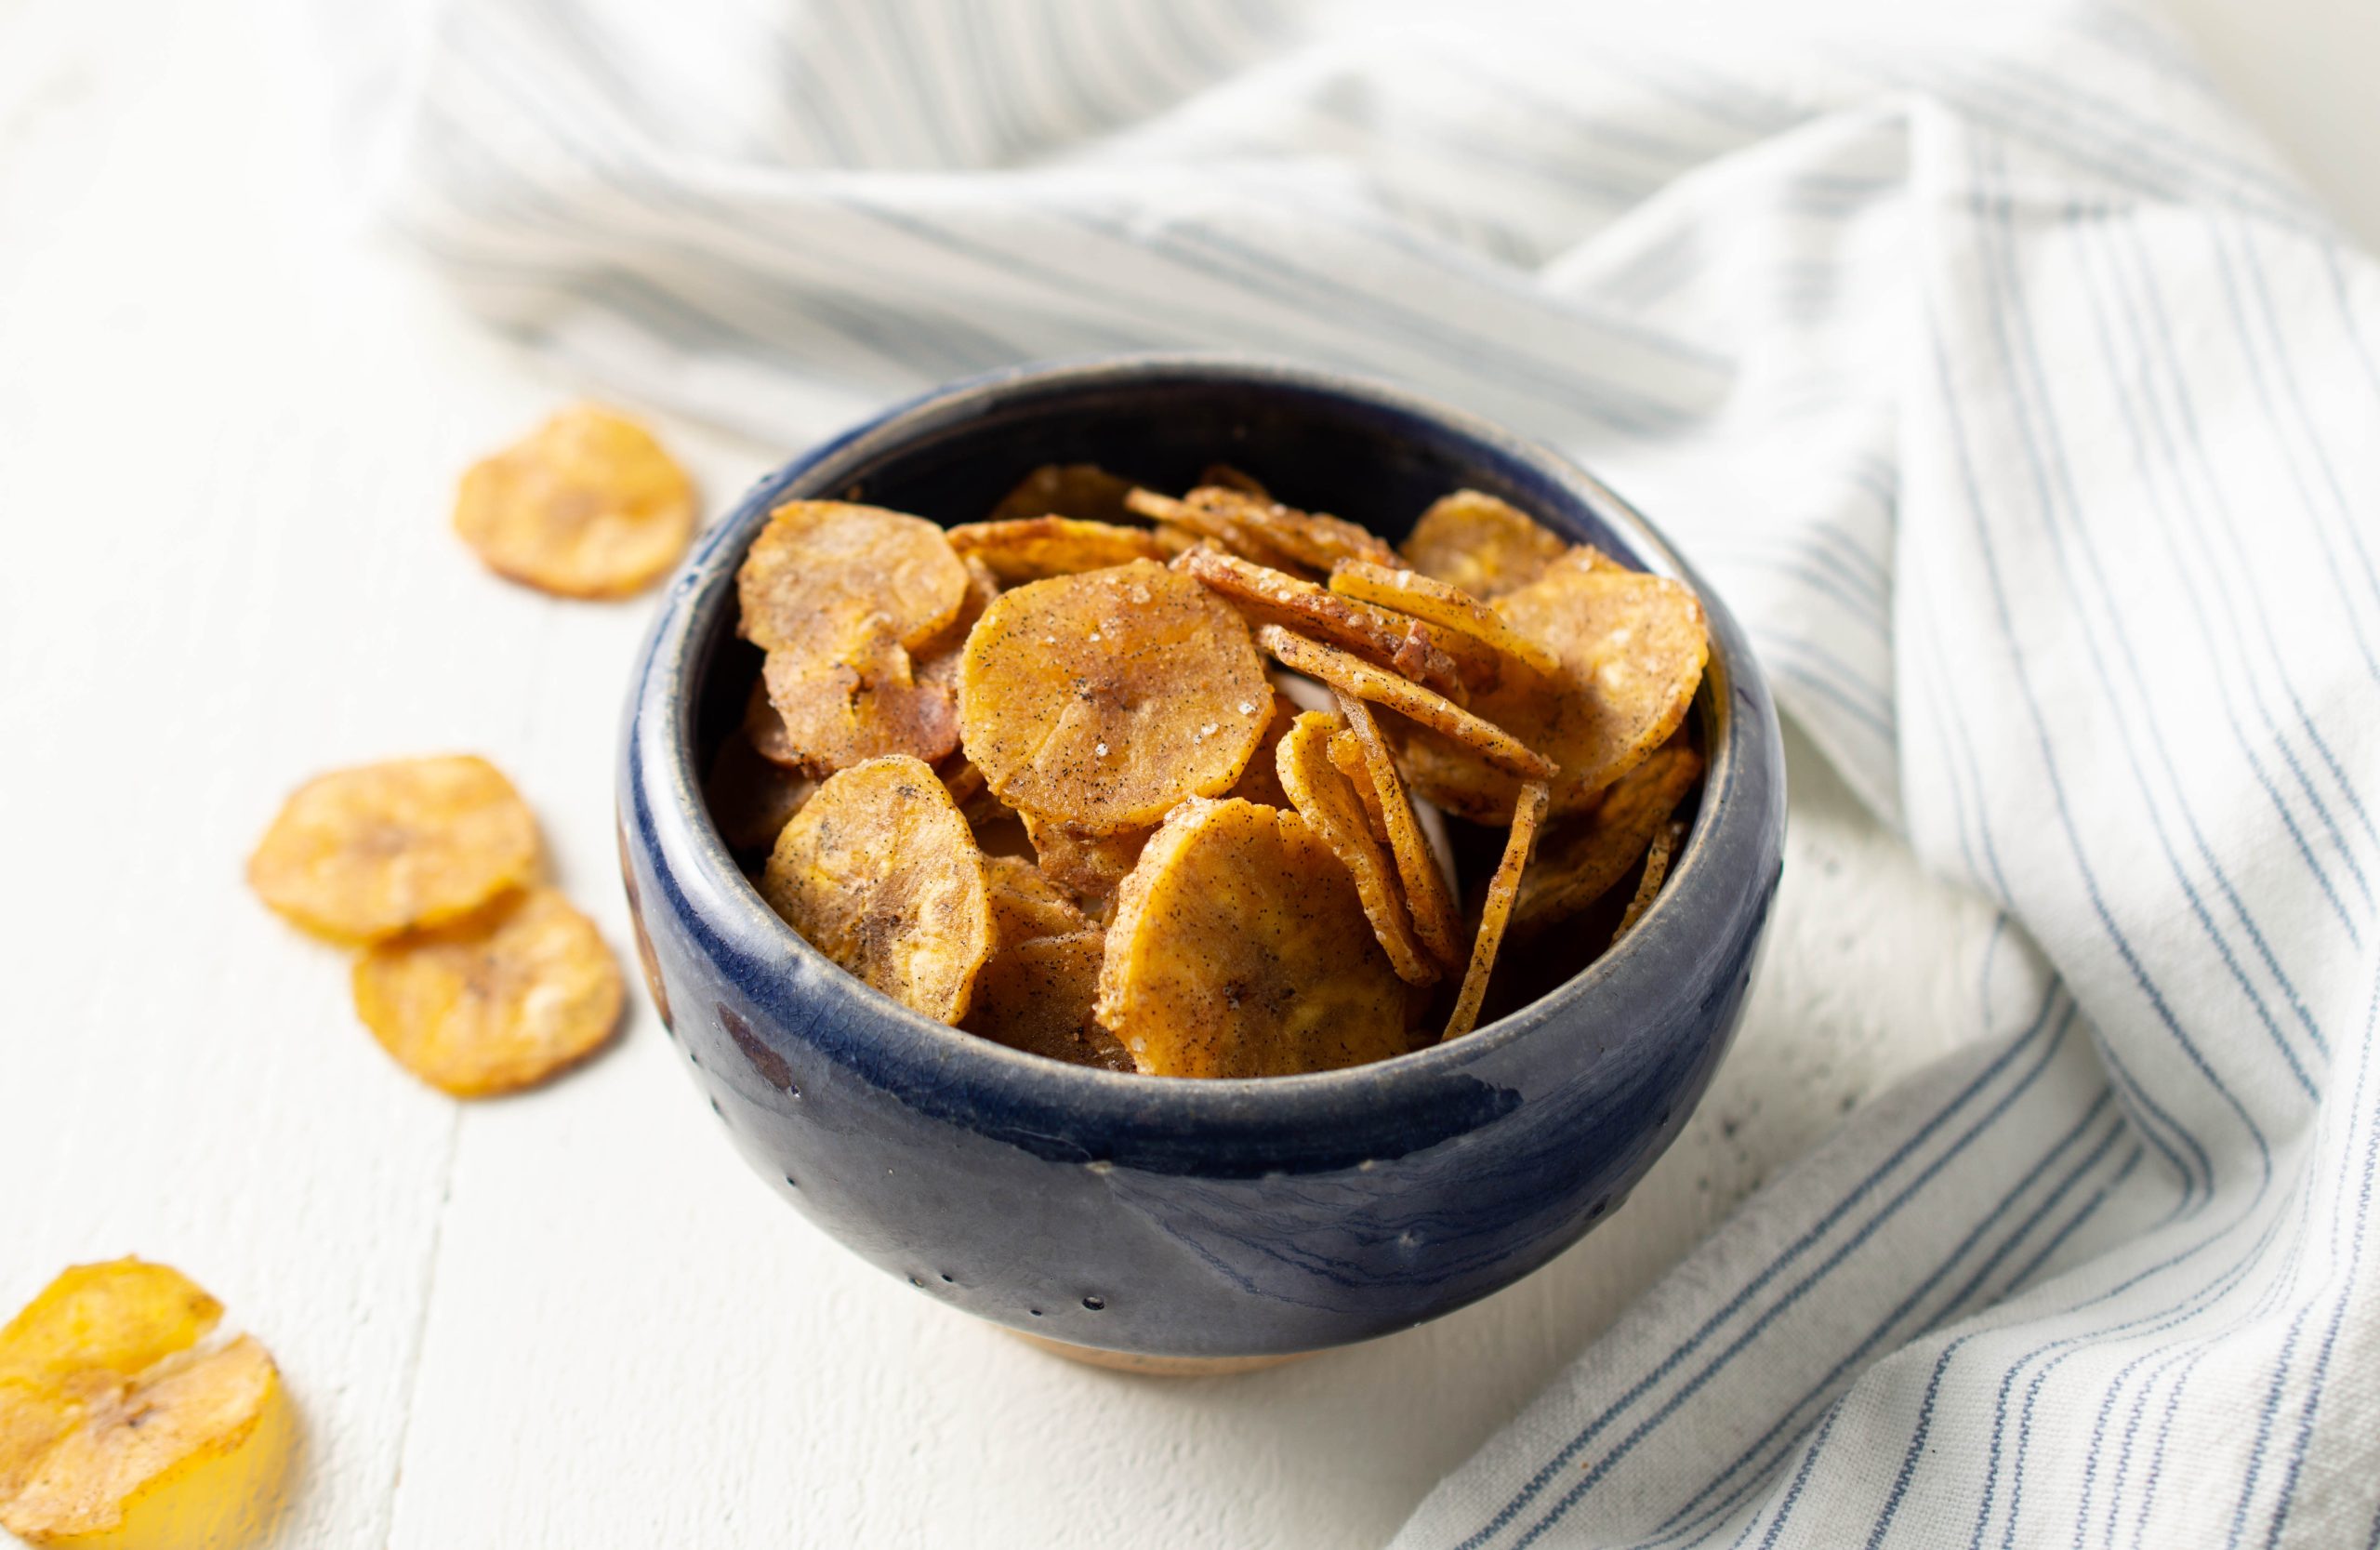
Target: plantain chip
(588,506)
(1409,646)
(821,569)
(1033,549)
(1025,904)
(1240,948)
(1333,809)
(1083,491)
(859,699)
(1528,811)
(1087,865)
(1480,543)
(1584,859)
(1435,921)
(365,853)
(1666,840)
(497,1001)
(1632,647)
(114,1420)
(1309,539)
(1183,527)
(1100,701)
(1037,996)
(752,799)
(1442,603)
(1260,782)
(881,873)
(1353,676)
(1347,753)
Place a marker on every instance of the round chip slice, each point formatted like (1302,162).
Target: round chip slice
(1435,921)
(1102,700)
(1240,948)
(1084,491)
(588,506)
(822,567)
(1037,996)
(1583,861)
(1408,645)
(365,853)
(1353,676)
(861,699)
(1260,782)
(1442,603)
(1332,808)
(1184,526)
(1480,543)
(494,1003)
(1088,865)
(1347,753)
(1033,549)
(1311,538)
(1632,647)
(1027,904)
(881,873)
(752,799)
(1528,811)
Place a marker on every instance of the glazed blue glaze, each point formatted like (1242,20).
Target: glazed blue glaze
(1166,1217)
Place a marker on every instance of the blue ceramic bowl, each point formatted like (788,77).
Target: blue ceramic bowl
(1170,1219)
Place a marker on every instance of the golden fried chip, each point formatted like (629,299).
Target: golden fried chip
(1355,676)
(1407,645)
(1183,527)
(1527,813)
(1583,860)
(1260,782)
(1088,865)
(1102,700)
(1026,903)
(1632,647)
(1083,491)
(881,873)
(1037,996)
(937,659)
(1442,603)
(1230,478)
(1347,753)
(1332,808)
(588,506)
(1032,549)
(751,799)
(112,1421)
(822,567)
(365,853)
(1311,538)
(1240,948)
(1480,543)
(858,699)
(493,1002)
(1657,870)
(1435,921)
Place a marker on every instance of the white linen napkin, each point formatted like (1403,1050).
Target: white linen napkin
(2026,412)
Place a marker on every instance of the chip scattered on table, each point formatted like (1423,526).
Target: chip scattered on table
(125,1414)
(588,506)
(365,853)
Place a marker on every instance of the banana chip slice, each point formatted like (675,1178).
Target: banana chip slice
(494,1003)
(362,853)
(1480,543)
(857,699)
(881,873)
(1632,648)
(1090,867)
(1406,644)
(1034,548)
(1657,871)
(821,569)
(1584,860)
(1027,904)
(1240,948)
(752,799)
(1083,491)
(1435,921)
(116,1421)
(1442,603)
(1308,538)
(1038,996)
(1100,701)
(1353,676)
(1260,782)
(1527,813)
(588,506)
(1333,809)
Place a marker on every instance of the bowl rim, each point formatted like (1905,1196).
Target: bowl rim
(1732,685)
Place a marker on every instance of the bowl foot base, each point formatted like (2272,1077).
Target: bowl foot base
(1157,1367)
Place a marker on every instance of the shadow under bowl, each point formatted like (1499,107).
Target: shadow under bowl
(1186,1222)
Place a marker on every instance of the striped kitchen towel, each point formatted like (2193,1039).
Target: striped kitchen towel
(2025,409)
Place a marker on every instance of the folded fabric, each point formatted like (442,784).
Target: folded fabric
(2020,403)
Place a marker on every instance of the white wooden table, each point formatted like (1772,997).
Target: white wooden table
(229,430)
